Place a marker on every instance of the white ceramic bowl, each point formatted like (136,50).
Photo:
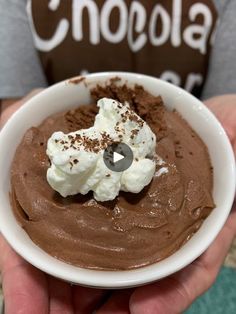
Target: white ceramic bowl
(66,95)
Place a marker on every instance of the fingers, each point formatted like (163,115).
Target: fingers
(24,287)
(6,113)
(87,300)
(174,294)
(60,297)
(224,107)
(118,303)
(9,107)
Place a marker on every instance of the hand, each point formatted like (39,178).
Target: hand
(28,290)
(224,108)
(8,107)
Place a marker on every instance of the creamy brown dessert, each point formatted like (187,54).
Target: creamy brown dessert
(133,230)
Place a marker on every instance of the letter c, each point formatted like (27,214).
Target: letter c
(57,38)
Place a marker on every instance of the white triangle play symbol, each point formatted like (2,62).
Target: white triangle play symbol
(117,157)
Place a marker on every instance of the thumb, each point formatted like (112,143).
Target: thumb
(9,107)
(175,294)
(24,287)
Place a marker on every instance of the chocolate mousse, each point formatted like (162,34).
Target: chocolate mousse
(133,230)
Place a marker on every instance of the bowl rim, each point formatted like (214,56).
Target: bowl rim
(123,278)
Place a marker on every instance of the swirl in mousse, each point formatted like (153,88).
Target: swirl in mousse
(79,211)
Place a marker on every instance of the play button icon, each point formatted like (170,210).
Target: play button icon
(118,157)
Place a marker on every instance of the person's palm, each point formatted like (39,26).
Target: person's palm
(28,290)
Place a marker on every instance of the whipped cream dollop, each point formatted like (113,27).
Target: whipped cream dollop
(77,164)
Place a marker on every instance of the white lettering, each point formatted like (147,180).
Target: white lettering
(192,80)
(54,4)
(84,72)
(57,38)
(165,20)
(77,20)
(176,23)
(132,23)
(202,31)
(172,77)
(105,19)
(141,16)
